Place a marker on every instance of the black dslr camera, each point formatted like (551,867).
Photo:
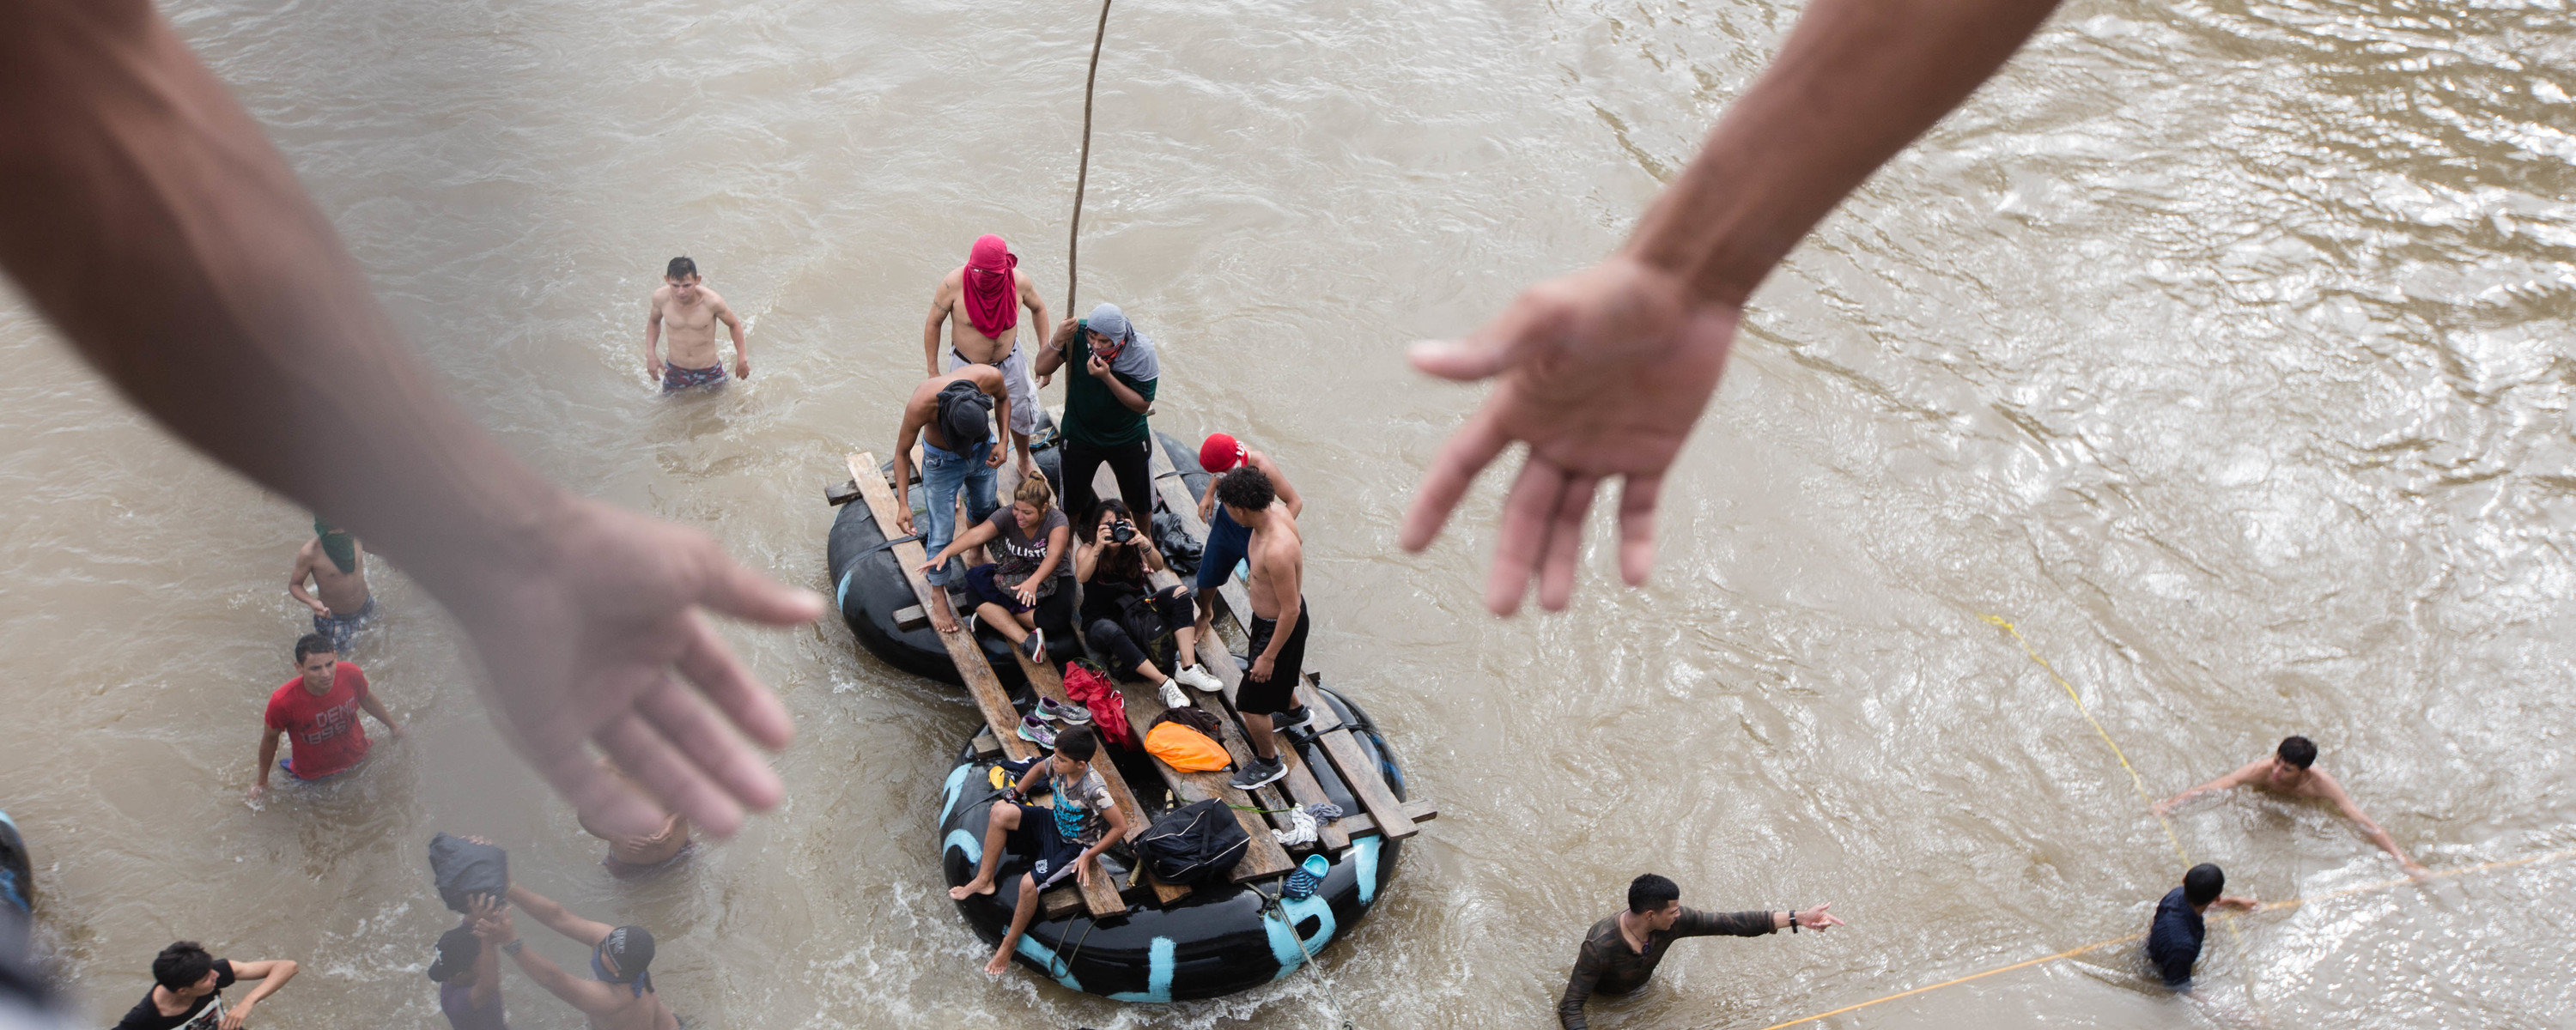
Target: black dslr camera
(1121,531)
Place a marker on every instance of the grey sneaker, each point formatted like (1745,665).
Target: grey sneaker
(1262,772)
(1048,711)
(1035,731)
(1072,713)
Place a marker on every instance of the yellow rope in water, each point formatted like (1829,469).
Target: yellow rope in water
(2135,780)
(2139,783)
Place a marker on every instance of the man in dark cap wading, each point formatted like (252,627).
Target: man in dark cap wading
(952,417)
(620,997)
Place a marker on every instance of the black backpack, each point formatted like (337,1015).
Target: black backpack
(1194,843)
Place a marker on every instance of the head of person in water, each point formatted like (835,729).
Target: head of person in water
(337,545)
(316,658)
(683,277)
(1655,900)
(457,950)
(185,970)
(1246,493)
(2290,763)
(625,956)
(1073,751)
(1029,504)
(2201,885)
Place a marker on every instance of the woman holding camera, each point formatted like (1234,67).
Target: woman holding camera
(1123,615)
(1029,539)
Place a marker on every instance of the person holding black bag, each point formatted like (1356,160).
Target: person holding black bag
(1123,616)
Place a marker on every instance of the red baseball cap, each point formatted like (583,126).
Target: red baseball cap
(1220,453)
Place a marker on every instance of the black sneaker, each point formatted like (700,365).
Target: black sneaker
(1261,773)
(1035,646)
(1297,718)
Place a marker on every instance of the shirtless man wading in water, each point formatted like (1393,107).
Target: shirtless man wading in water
(976,302)
(691,312)
(337,565)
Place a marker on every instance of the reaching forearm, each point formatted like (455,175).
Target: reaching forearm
(176,250)
(1856,82)
(652,340)
(279,972)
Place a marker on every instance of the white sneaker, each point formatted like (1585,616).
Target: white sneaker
(1172,696)
(1199,679)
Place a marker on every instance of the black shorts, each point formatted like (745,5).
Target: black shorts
(1037,840)
(1280,693)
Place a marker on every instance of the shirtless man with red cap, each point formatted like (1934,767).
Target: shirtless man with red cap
(1227,539)
(985,331)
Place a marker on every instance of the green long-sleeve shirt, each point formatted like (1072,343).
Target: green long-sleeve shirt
(1606,963)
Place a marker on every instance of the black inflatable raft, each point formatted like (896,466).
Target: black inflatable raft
(1219,939)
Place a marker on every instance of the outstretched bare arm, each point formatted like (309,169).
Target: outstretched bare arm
(149,219)
(1604,372)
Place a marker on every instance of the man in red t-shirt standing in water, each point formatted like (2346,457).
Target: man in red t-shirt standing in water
(319,710)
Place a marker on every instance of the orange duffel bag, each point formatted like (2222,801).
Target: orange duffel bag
(1183,747)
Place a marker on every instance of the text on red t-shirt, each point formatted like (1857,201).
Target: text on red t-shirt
(323,731)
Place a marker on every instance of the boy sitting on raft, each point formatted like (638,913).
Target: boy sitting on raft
(1064,839)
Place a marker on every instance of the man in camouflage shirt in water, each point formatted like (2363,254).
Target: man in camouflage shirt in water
(1623,949)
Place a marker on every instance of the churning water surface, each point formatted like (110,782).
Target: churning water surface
(2222,347)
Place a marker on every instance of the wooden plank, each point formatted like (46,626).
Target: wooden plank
(1417,810)
(1048,683)
(985,745)
(1265,857)
(1302,786)
(837,496)
(981,685)
(1357,771)
(911,616)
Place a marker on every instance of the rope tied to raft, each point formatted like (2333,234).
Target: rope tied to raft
(1271,904)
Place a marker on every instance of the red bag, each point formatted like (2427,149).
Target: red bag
(1088,686)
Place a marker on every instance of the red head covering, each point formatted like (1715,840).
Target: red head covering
(1220,453)
(992,294)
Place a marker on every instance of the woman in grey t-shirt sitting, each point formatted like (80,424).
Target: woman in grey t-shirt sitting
(1029,541)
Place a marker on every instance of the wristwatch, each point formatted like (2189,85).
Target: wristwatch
(1793,920)
(513,948)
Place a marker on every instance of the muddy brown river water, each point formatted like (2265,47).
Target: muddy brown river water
(2222,347)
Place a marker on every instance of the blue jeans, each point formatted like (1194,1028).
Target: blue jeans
(942,474)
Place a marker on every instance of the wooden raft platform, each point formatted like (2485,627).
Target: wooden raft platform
(1003,721)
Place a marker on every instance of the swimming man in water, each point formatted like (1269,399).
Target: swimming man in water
(2290,769)
(337,565)
(980,303)
(632,855)
(690,311)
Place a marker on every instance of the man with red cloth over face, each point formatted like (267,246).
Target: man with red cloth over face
(985,297)
(318,711)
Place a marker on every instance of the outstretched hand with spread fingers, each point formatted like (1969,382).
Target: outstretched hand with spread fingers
(1602,373)
(601,639)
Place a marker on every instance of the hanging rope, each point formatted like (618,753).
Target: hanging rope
(1081,178)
